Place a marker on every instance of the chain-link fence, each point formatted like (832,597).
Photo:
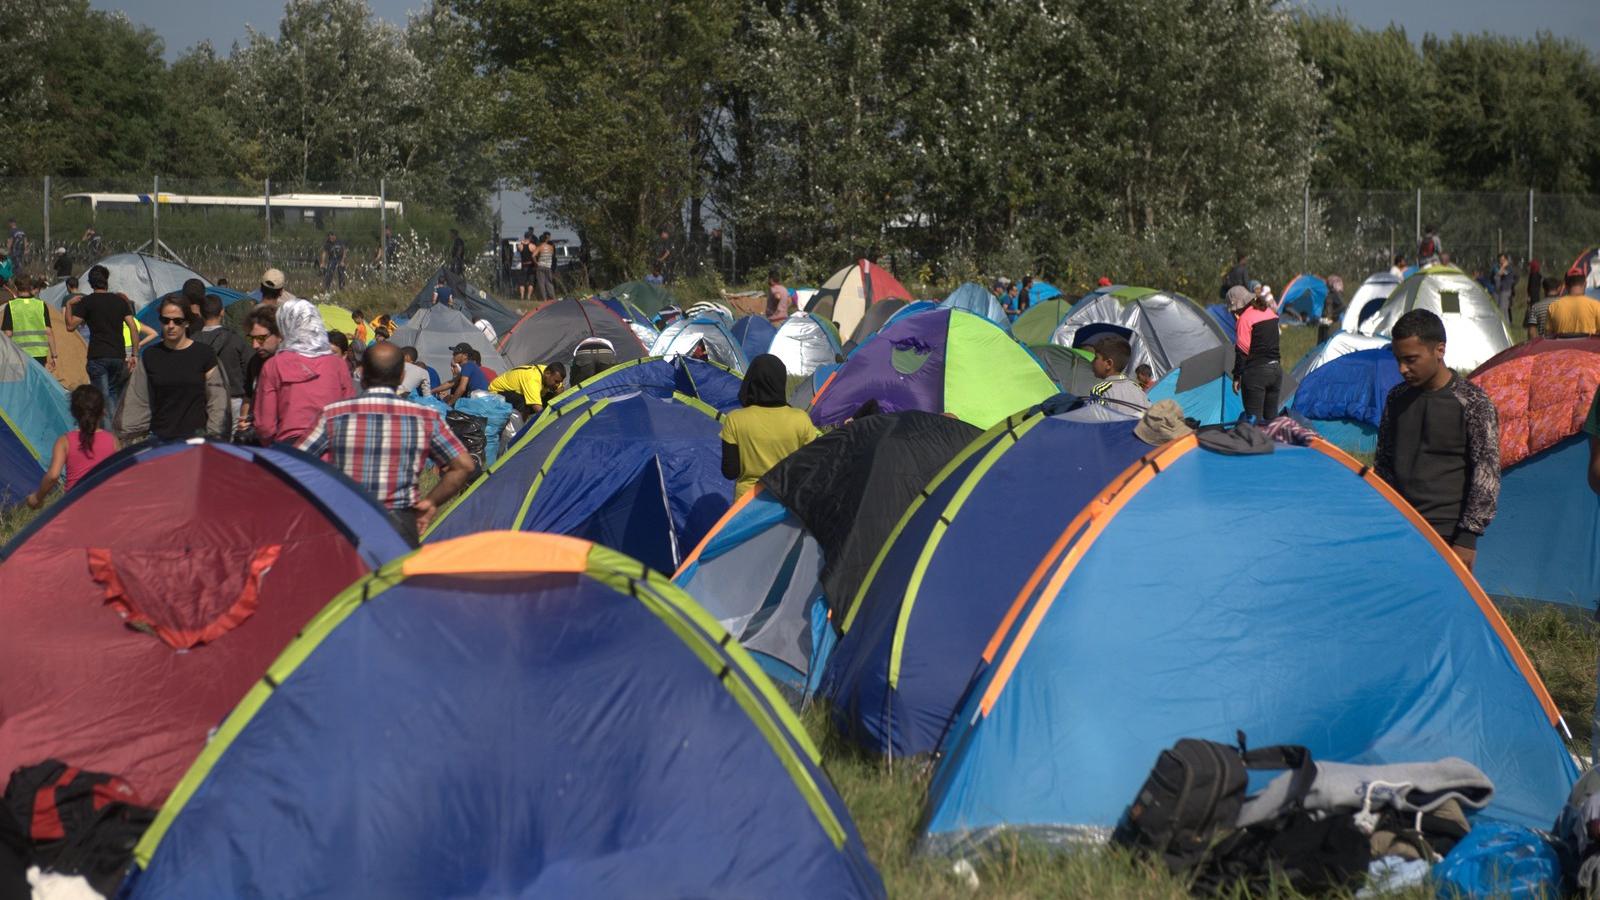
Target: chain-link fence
(233,230)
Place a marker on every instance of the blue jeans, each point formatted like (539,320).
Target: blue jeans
(111,377)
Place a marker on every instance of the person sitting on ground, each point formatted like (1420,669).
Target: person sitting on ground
(1537,321)
(26,320)
(383,442)
(1575,313)
(1145,377)
(420,377)
(529,388)
(1257,362)
(765,429)
(301,379)
(1439,438)
(176,389)
(468,376)
(233,352)
(1111,356)
(78,451)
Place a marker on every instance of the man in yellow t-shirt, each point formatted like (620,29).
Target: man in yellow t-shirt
(527,388)
(1576,313)
(767,429)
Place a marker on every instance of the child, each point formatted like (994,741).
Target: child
(1111,355)
(77,451)
(1145,377)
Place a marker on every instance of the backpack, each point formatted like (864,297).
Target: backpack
(1427,249)
(1313,855)
(78,822)
(1193,796)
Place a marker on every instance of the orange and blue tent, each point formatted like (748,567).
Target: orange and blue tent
(1292,596)
(508,715)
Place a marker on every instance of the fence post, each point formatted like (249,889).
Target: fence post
(1530,223)
(1305,234)
(1418,238)
(47,214)
(383,228)
(155,215)
(266,200)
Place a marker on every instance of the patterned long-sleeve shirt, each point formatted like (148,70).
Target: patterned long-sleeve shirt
(1441,450)
(383,442)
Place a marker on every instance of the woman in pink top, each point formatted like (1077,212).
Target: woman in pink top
(302,378)
(78,451)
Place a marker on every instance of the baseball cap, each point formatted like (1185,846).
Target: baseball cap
(462,347)
(272,278)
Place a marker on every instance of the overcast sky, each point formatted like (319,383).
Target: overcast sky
(184,23)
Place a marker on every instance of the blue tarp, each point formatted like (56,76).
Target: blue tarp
(519,735)
(638,473)
(1353,387)
(1542,542)
(1345,631)
(754,334)
(1034,479)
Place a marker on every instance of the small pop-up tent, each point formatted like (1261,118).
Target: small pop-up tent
(1474,328)
(508,715)
(1163,328)
(713,385)
(551,334)
(649,298)
(475,302)
(143,277)
(1203,386)
(846,296)
(1542,543)
(438,328)
(1368,299)
(705,332)
(1039,322)
(754,334)
(1305,297)
(781,564)
(33,413)
(1344,398)
(976,300)
(1110,653)
(805,342)
(142,607)
(941,360)
(634,472)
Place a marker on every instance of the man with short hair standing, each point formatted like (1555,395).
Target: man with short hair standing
(383,442)
(233,353)
(1575,313)
(1439,438)
(113,335)
(26,321)
(333,251)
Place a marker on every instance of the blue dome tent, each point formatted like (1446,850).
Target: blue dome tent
(712,384)
(1344,398)
(382,754)
(1203,386)
(33,413)
(1305,296)
(1111,652)
(637,473)
(976,300)
(754,334)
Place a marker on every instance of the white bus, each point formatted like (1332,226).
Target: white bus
(308,206)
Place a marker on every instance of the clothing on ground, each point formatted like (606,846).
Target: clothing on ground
(764,435)
(383,441)
(1441,451)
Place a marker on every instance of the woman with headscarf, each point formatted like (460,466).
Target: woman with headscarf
(757,437)
(302,378)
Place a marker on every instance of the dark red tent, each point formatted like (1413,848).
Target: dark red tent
(140,609)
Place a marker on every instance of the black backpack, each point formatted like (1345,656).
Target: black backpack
(1193,796)
(77,822)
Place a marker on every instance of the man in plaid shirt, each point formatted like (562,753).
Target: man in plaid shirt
(383,442)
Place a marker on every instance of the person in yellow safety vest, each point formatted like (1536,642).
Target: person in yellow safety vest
(26,321)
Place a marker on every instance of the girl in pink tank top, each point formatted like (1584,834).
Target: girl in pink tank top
(80,450)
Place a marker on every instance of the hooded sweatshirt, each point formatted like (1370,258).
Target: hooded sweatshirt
(301,379)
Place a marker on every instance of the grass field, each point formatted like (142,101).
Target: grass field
(886,802)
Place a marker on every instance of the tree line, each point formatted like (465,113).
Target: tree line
(947,137)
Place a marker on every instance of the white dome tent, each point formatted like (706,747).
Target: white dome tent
(1473,327)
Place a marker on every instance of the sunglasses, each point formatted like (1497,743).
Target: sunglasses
(259,338)
(174,320)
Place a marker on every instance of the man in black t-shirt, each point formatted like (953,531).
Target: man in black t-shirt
(112,334)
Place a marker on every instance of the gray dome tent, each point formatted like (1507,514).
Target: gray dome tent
(438,328)
(1164,328)
(552,333)
(143,277)
(467,297)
